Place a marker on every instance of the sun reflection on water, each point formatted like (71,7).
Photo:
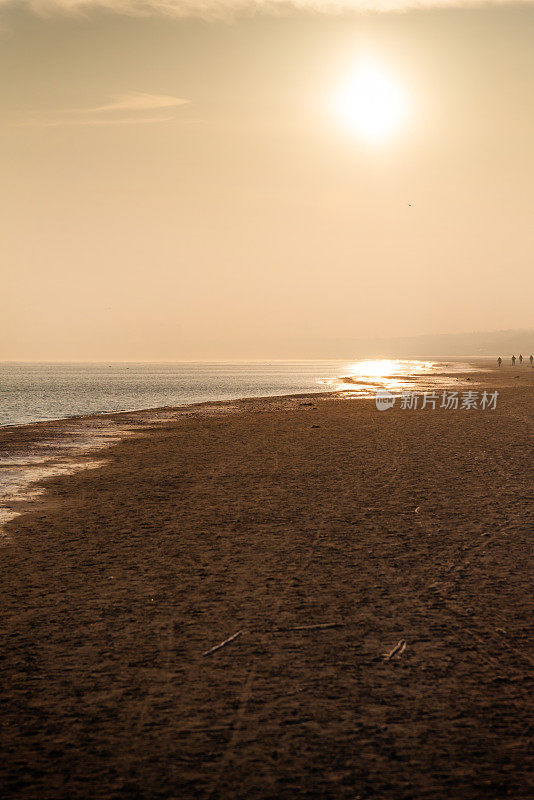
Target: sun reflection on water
(365,377)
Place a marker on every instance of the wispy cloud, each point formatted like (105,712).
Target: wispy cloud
(132,108)
(136,101)
(222,8)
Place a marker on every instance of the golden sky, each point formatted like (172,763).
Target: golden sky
(201,180)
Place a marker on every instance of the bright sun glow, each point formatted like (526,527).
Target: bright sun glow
(375,369)
(371,103)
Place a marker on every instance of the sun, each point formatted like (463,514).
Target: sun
(371,103)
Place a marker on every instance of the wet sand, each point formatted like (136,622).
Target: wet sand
(266,516)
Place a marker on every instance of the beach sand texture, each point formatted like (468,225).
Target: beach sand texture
(264,516)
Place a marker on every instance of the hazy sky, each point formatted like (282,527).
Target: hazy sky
(192,187)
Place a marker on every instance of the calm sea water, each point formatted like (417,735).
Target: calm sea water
(35,392)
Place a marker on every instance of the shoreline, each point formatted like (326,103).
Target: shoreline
(65,446)
(374,563)
(155,409)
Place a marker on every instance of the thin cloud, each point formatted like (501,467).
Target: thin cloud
(136,101)
(132,108)
(223,8)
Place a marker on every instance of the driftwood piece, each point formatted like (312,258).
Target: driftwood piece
(320,626)
(399,648)
(316,627)
(223,644)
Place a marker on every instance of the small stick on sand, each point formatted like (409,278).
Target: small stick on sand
(320,626)
(399,648)
(222,644)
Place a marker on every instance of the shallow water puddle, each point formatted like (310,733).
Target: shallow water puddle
(22,471)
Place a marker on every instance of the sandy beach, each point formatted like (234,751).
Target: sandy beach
(375,565)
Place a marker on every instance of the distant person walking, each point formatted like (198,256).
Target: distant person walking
(520,358)
(499,361)
(513,361)
(531,360)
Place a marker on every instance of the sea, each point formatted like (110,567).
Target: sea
(41,392)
